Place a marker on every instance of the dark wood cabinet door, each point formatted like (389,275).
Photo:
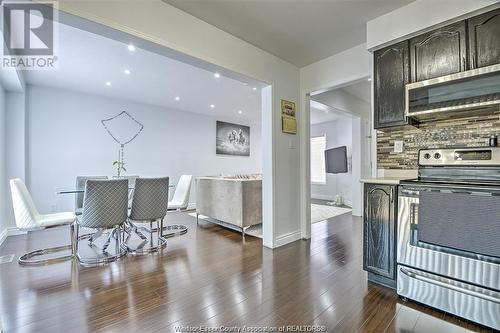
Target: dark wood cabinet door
(391,74)
(379,230)
(484,39)
(439,52)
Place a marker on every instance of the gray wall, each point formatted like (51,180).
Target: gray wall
(66,139)
(3,164)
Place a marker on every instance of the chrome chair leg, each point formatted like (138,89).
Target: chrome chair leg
(26,259)
(94,236)
(172,230)
(162,242)
(120,251)
(108,240)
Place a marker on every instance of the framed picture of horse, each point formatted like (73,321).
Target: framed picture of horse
(232,139)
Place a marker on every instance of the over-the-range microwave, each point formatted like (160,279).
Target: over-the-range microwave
(454,95)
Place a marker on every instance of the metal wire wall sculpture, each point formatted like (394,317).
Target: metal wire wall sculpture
(135,129)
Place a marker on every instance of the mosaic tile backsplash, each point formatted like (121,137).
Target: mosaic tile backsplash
(462,132)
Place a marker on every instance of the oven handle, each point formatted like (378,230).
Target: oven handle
(469,292)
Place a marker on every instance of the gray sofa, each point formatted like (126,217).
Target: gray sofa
(231,201)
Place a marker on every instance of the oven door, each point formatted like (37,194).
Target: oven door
(451,231)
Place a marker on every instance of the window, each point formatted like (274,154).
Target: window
(318,173)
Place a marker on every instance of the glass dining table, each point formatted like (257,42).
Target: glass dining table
(74,190)
(172,230)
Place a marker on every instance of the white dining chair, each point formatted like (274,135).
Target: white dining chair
(180,200)
(29,219)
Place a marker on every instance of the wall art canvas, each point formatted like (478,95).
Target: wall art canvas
(232,139)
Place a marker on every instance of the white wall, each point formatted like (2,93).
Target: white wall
(16,150)
(67,139)
(168,26)
(338,133)
(3,165)
(416,17)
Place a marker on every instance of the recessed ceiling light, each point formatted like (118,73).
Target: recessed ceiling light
(217,75)
(240,112)
(131,47)
(212,106)
(254,88)
(127,71)
(245,84)
(108,83)
(369,79)
(177,98)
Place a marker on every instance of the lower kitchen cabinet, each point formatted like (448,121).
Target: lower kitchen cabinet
(379,233)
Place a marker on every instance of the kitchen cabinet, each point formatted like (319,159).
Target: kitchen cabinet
(484,39)
(379,233)
(391,74)
(439,52)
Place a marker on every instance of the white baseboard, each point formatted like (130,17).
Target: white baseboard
(330,198)
(10,231)
(287,238)
(322,197)
(191,206)
(13,231)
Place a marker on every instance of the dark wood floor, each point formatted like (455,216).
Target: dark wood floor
(211,277)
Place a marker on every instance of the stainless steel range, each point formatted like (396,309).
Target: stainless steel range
(448,250)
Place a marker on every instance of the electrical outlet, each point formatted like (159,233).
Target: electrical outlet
(398,146)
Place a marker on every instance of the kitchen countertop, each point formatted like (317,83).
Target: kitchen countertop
(384,180)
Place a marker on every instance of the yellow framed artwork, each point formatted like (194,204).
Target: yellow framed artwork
(288,120)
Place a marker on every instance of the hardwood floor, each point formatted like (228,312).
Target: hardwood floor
(212,277)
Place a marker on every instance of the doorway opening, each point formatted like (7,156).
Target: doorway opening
(340,149)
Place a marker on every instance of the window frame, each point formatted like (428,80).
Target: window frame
(324,181)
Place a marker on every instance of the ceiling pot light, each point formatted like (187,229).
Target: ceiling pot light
(254,88)
(177,98)
(108,83)
(217,75)
(131,47)
(240,112)
(369,79)
(212,106)
(127,71)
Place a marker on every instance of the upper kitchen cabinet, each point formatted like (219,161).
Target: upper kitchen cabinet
(439,52)
(484,39)
(391,74)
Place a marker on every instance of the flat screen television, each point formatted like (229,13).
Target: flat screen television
(336,160)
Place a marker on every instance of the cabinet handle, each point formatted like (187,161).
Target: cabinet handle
(464,66)
(391,195)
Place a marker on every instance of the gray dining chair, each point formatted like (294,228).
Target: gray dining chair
(149,205)
(104,208)
(80,183)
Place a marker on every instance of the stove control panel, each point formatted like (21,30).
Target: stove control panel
(481,156)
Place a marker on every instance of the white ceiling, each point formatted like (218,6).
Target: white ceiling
(298,31)
(361,90)
(87,61)
(321,115)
